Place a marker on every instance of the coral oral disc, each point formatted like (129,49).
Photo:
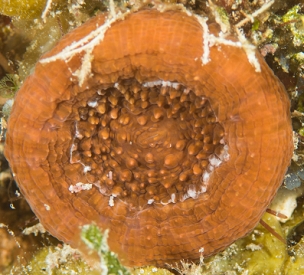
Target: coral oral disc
(138,134)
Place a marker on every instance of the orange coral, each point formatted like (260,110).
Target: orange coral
(169,154)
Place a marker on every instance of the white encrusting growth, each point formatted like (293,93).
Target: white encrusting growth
(73,148)
(111,200)
(85,45)
(206,39)
(79,186)
(209,40)
(250,51)
(35,229)
(46,10)
(192,193)
(86,168)
(150,84)
(173,198)
(110,175)
(206,176)
(215,161)
(93,103)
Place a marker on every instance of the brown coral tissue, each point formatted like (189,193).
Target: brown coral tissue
(175,145)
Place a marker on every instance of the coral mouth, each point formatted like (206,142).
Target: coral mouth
(144,144)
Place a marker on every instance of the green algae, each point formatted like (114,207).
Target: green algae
(295,20)
(255,25)
(94,239)
(9,85)
(221,17)
(97,241)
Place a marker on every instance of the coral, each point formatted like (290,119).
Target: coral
(268,31)
(168,157)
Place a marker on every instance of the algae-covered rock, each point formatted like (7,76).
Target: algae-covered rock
(151,270)
(295,263)
(56,261)
(258,253)
(22,8)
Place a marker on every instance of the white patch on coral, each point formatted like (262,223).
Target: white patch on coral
(93,103)
(162,83)
(85,69)
(250,51)
(209,40)
(47,207)
(192,193)
(111,200)
(173,198)
(77,134)
(214,161)
(203,189)
(206,176)
(86,168)
(206,39)
(79,186)
(110,175)
(185,196)
(150,201)
(186,91)
(225,155)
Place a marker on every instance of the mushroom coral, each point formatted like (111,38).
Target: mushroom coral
(175,154)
